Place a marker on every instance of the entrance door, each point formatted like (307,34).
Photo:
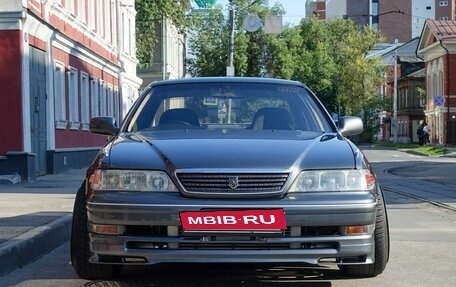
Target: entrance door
(38,109)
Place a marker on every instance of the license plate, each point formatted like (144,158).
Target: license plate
(234,220)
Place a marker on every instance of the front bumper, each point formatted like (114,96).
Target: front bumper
(153,233)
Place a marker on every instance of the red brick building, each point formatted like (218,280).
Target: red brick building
(437,47)
(61,63)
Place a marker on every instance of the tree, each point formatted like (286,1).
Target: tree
(209,38)
(149,13)
(208,44)
(330,57)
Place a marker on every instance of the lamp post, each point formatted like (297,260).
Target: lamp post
(454,124)
(230,64)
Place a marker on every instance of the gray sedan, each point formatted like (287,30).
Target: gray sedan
(230,170)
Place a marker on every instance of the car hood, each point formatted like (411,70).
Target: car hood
(265,151)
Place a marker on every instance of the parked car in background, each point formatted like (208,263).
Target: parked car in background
(233,170)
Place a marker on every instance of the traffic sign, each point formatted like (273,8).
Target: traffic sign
(439,101)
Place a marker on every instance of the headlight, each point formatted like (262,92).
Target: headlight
(334,180)
(131,180)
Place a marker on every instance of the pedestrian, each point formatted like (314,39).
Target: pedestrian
(426,132)
(420,134)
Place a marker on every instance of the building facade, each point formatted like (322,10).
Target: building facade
(401,62)
(61,63)
(437,47)
(169,55)
(402,20)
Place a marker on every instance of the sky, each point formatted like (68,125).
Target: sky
(295,9)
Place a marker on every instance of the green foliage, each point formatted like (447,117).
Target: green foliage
(208,44)
(421,92)
(209,38)
(414,148)
(149,14)
(330,57)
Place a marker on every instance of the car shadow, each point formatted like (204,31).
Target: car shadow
(245,275)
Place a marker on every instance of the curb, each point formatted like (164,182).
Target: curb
(32,244)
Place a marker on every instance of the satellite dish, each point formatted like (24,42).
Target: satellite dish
(252,23)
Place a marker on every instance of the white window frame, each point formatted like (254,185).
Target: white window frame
(107,23)
(69,6)
(99,17)
(114,23)
(91,17)
(59,96)
(85,101)
(82,4)
(73,98)
(443,3)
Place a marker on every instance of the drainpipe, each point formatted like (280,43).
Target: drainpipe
(120,35)
(447,90)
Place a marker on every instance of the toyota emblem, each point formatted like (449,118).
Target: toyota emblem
(233,182)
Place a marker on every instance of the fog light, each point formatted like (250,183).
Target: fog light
(359,229)
(107,229)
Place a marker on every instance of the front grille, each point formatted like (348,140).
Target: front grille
(304,238)
(235,246)
(233,182)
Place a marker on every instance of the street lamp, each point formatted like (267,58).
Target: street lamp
(230,64)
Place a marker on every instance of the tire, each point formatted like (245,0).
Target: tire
(382,248)
(80,249)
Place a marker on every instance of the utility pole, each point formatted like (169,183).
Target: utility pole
(230,64)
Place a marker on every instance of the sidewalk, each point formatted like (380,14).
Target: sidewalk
(35,217)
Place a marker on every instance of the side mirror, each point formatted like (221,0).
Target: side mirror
(350,126)
(104,126)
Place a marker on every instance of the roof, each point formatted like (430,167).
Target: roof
(442,29)
(405,52)
(417,74)
(435,33)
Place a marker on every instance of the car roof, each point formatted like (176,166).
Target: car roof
(226,80)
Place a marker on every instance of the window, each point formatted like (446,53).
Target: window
(82,11)
(95,97)
(443,3)
(107,24)
(69,5)
(113,24)
(91,10)
(85,101)
(73,100)
(99,17)
(59,96)
(428,7)
(444,18)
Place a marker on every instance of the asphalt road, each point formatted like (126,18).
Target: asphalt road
(423,242)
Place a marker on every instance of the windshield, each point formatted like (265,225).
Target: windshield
(246,106)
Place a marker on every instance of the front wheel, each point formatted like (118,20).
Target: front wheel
(381,240)
(80,249)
